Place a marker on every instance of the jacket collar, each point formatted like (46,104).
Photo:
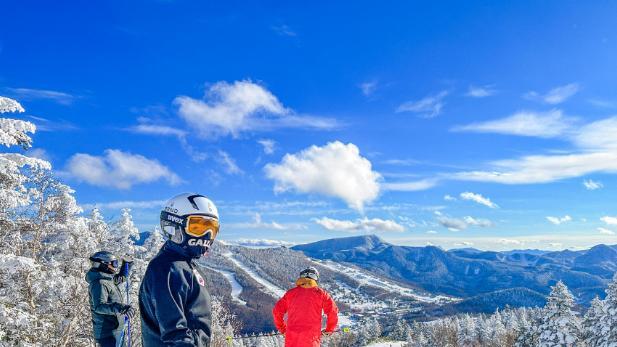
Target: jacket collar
(306,282)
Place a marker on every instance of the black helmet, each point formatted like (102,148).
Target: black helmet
(311,273)
(104,261)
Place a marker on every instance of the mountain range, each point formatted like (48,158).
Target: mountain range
(468,273)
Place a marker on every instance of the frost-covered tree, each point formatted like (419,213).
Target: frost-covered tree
(605,328)
(594,323)
(466,334)
(153,244)
(560,325)
(42,245)
(124,233)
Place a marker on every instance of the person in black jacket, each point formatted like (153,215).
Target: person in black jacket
(107,305)
(173,299)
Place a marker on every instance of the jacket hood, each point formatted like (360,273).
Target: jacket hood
(95,275)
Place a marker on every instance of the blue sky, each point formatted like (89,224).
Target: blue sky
(457,124)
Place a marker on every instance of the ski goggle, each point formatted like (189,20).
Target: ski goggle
(200,226)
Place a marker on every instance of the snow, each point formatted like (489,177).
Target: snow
(236,287)
(271,288)
(387,344)
(366,279)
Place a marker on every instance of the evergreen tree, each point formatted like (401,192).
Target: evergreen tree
(594,322)
(606,327)
(560,326)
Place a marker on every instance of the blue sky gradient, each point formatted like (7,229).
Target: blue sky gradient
(411,85)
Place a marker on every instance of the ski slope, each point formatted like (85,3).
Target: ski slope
(387,344)
(236,287)
(270,288)
(366,279)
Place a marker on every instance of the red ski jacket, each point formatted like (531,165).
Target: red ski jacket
(304,305)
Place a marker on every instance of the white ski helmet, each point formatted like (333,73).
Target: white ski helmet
(192,221)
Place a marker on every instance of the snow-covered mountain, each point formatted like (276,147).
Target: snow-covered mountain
(251,280)
(466,273)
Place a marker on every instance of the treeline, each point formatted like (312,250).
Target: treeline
(557,324)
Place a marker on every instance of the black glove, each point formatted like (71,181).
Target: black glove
(128,310)
(125,268)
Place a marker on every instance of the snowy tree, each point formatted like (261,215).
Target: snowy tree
(9,105)
(498,329)
(560,325)
(98,227)
(43,240)
(224,324)
(466,334)
(124,233)
(605,327)
(594,322)
(153,244)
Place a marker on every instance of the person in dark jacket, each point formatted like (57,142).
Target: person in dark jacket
(173,298)
(107,305)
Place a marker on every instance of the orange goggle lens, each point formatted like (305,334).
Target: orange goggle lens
(199,226)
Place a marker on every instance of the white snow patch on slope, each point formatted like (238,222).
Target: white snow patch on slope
(367,279)
(387,344)
(236,287)
(271,288)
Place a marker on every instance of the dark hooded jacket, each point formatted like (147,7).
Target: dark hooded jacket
(174,302)
(105,304)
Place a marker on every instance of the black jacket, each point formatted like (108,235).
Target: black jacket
(174,301)
(105,304)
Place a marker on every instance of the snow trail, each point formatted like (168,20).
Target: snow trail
(271,288)
(367,279)
(236,287)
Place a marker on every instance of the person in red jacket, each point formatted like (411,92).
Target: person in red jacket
(304,305)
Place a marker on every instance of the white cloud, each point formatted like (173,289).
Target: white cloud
(411,186)
(592,185)
(284,30)
(118,205)
(364,224)
(458,224)
(511,242)
(598,135)
(449,197)
(10,105)
(431,232)
(38,153)
(609,220)
(261,243)
(368,88)
(118,169)
(524,123)
(556,95)
(544,168)
(480,92)
(258,223)
(402,162)
(44,124)
(31,94)
(559,220)
(428,107)
(478,198)
(336,170)
(154,129)
(605,231)
(464,244)
(229,164)
(231,109)
(268,145)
